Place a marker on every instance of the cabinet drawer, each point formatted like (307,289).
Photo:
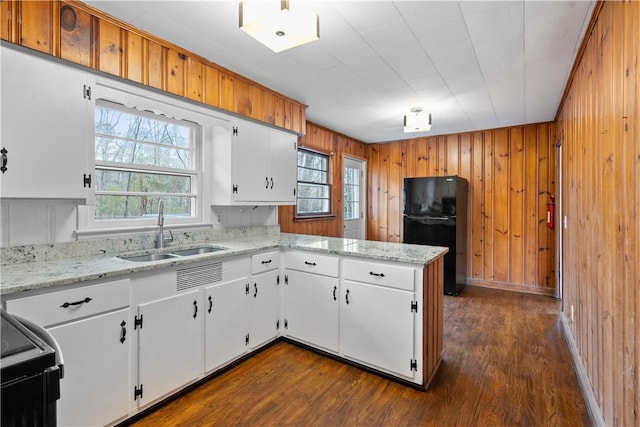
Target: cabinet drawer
(265,262)
(312,263)
(63,306)
(395,276)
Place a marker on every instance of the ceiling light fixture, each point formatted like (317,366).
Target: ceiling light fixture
(417,121)
(279,27)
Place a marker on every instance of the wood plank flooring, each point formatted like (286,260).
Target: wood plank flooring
(505,363)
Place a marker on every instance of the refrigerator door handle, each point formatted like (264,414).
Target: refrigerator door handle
(429,217)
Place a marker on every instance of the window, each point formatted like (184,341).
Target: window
(140,159)
(351,193)
(314,189)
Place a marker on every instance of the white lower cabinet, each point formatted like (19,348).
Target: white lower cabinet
(263,303)
(226,322)
(91,324)
(380,324)
(311,309)
(311,290)
(169,344)
(95,387)
(242,314)
(377,327)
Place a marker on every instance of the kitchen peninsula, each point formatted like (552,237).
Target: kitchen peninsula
(377,305)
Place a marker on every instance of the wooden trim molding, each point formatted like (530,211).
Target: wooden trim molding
(578,59)
(517,287)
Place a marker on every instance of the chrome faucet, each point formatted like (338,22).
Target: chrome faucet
(161,240)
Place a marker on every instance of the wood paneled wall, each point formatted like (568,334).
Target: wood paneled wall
(511,173)
(326,141)
(83,35)
(599,124)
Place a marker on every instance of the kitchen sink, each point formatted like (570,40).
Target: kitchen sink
(198,251)
(146,258)
(173,254)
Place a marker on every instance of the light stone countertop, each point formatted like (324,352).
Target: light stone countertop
(27,276)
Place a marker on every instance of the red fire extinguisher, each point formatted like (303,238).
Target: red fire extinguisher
(550,206)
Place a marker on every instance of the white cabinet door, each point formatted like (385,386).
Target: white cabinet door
(377,327)
(283,167)
(254,164)
(263,292)
(170,344)
(226,324)
(45,128)
(95,387)
(251,161)
(311,309)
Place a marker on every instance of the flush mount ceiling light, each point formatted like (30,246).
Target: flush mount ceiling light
(417,121)
(277,25)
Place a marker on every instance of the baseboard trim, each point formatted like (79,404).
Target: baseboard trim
(514,287)
(595,413)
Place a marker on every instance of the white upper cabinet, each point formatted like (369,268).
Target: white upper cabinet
(45,127)
(254,164)
(282,167)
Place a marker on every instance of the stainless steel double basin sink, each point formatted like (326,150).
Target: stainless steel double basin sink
(174,254)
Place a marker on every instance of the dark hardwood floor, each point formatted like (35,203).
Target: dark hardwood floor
(505,363)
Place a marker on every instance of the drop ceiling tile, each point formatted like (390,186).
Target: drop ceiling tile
(434,94)
(390,37)
(458,66)
(367,15)
(412,65)
(367,64)
(436,33)
(493,23)
(127,11)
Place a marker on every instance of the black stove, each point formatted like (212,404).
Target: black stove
(30,376)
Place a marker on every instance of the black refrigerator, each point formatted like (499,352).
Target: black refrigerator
(435,213)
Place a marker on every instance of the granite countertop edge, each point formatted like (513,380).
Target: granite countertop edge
(17,278)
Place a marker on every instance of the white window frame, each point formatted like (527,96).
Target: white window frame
(328,184)
(149,102)
(356,191)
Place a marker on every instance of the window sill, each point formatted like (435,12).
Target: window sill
(313,217)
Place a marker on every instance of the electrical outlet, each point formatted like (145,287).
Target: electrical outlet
(572,314)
